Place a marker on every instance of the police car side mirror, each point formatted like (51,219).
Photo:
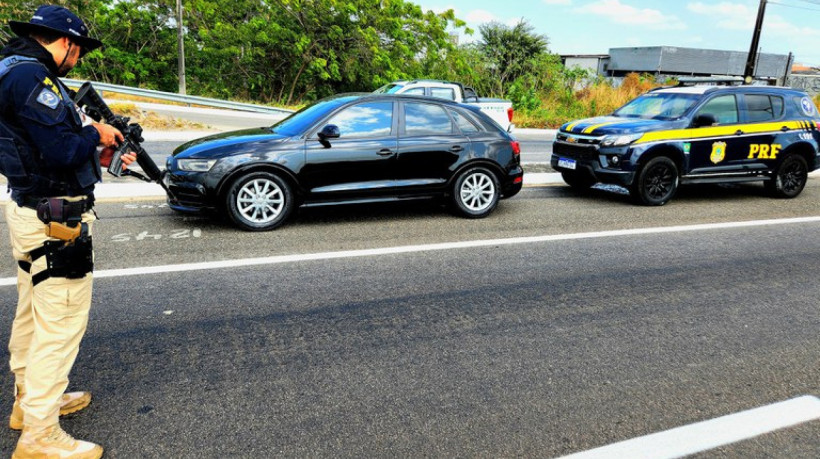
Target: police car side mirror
(705,119)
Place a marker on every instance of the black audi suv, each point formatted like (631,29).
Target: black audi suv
(350,148)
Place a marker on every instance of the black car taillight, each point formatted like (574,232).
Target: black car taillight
(516,147)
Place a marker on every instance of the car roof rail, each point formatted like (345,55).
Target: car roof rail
(430,80)
(710,81)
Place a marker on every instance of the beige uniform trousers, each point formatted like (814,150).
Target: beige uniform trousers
(49,324)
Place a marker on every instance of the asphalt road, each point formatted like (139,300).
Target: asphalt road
(537,348)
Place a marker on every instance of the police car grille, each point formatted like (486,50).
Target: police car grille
(575,151)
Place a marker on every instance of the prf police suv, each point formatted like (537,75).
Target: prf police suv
(695,134)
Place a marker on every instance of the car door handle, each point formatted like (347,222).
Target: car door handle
(785,129)
(456,148)
(385,152)
(738,132)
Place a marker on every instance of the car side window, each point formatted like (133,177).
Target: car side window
(443,93)
(763,107)
(466,126)
(426,119)
(470,95)
(415,92)
(778,105)
(723,108)
(371,119)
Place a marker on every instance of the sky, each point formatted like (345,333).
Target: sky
(594,26)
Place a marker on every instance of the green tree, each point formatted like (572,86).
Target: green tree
(283,51)
(22,10)
(139,45)
(510,52)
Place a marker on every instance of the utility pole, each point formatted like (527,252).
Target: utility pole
(751,61)
(180,48)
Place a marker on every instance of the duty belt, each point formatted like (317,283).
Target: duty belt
(70,208)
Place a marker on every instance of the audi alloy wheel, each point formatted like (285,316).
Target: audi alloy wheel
(260,201)
(476,193)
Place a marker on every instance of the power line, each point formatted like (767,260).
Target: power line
(796,6)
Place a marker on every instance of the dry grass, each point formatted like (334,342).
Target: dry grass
(600,98)
(126,98)
(603,98)
(151,120)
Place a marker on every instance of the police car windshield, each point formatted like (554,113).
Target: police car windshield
(658,106)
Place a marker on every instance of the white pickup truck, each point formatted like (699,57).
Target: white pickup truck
(499,110)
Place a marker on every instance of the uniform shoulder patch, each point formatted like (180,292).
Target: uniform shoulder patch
(48,98)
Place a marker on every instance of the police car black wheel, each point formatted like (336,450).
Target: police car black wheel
(259,201)
(475,193)
(578,180)
(657,182)
(789,178)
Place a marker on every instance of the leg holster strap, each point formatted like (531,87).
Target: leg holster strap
(34,254)
(72,261)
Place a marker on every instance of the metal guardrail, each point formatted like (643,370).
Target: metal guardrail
(179,98)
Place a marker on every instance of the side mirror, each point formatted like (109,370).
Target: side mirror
(705,119)
(331,131)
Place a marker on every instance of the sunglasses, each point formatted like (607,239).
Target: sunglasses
(74,43)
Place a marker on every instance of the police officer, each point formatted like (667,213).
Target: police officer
(48,153)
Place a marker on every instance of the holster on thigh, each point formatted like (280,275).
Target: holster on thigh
(69,260)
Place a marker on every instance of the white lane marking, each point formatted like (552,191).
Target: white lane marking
(702,436)
(428,248)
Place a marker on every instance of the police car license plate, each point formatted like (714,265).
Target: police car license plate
(566,163)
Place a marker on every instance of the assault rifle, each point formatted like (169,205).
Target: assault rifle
(94,106)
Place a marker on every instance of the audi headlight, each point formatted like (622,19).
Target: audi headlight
(619,140)
(196,165)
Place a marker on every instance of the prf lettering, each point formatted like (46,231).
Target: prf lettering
(763,151)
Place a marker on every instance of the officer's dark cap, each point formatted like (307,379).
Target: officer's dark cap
(57,19)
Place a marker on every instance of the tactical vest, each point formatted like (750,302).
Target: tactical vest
(20,163)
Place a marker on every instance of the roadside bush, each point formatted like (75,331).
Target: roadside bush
(523,95)
(598,97)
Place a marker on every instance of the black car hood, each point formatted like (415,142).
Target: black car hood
(207,146)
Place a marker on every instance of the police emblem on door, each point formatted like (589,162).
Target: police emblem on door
(718,152)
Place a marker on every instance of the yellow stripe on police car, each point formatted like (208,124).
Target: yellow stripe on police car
(590,129)
(717,131)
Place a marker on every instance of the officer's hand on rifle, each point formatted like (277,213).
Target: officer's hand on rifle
(107,154)
(109,135)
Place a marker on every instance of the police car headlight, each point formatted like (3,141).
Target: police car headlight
(619,140)
(196,165)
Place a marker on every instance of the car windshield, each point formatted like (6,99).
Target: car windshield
(389,88)
(302,120)
(659,106)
